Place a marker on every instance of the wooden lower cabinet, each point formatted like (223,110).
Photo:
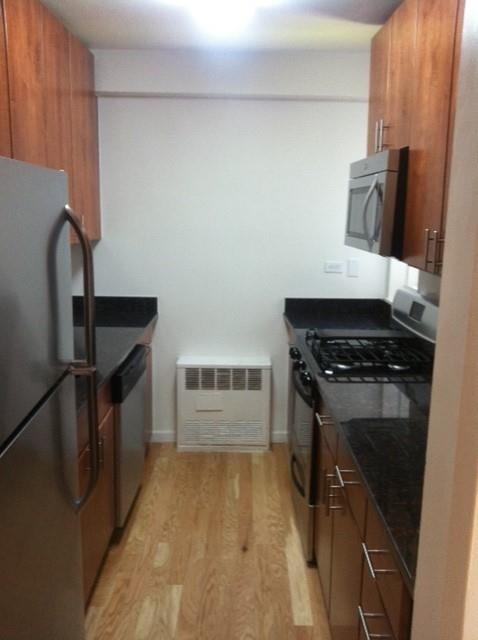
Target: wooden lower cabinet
(373,619)
(97,517)
(346,573)
(346,525)
(323,520)
(394,593)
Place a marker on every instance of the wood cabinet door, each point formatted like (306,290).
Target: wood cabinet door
(57,91)
(97,518)
(430,108)
(323,529)
(403,30)
(395,596)
(24,37)
(84,191)
(5,134)
(346,572)
(373,619)
(379,84)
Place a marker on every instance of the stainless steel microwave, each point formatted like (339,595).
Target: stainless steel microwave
(375,215)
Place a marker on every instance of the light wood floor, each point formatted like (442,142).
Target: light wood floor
(211,553)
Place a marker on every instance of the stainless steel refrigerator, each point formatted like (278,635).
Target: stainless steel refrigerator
(41,594)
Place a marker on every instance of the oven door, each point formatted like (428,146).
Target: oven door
(301,447)
(372,208)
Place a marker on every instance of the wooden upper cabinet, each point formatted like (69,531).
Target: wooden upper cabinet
(403,31)
(24,37)
(57,90)
(429,130)
(84,192)
(379,83)
(5,133)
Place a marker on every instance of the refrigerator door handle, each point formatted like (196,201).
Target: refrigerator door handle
(87,367)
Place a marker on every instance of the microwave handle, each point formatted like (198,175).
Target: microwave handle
(373,186)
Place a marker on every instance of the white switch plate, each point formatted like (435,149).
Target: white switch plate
(333,267)
(352,268)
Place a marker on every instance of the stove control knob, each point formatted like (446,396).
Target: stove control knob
(299,365)
(306,378)
(294,353)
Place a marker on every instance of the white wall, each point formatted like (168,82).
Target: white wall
(224,207)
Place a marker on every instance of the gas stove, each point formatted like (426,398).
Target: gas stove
(375,356)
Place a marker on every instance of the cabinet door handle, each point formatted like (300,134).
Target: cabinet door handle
(328,477)
(330,496)
(376,136)
(375,572)
(323,419)
(363,622)
(342,482)
(101,451)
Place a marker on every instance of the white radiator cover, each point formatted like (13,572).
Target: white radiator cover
(223,404)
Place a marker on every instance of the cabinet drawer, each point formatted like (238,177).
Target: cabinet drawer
(347,475)
(327,429)
(384,571)
(373,619)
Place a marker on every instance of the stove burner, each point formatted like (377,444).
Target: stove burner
(371,358)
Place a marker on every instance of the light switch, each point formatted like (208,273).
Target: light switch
(352,268)
(333,267)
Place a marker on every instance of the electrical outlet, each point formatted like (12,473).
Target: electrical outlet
(333,267)
(352,268)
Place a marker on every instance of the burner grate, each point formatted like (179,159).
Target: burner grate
(372,359)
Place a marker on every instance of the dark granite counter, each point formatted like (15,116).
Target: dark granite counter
(120,323)
(384,425)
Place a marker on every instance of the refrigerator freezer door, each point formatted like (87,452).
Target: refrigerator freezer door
(40,557)
(36,325)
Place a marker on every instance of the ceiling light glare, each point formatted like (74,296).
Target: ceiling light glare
(222,18)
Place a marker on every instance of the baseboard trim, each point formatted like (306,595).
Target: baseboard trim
(163,436)
(170,436)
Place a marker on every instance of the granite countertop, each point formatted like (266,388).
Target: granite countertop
(384,425)
(120,323)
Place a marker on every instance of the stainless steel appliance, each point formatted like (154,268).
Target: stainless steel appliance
(301,450)
(129,393)
(40,560)
(375,214)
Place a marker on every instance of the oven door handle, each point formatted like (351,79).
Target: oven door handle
(295,480)
(373,186)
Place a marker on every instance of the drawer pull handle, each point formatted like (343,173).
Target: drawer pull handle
(342,482)
(330,496)
(374,572)
(323,419)
(363,621)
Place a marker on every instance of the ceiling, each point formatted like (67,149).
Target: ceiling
(292,24)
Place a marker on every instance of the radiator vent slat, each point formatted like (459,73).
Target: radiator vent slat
(254,379)
(223,377)
(192,379)
(239,379)
(209,379)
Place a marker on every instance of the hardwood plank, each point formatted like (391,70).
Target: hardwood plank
(211,553)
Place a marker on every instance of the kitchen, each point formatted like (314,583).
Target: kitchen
(182,126)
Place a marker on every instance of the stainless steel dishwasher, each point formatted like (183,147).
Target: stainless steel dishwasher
(129,396)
